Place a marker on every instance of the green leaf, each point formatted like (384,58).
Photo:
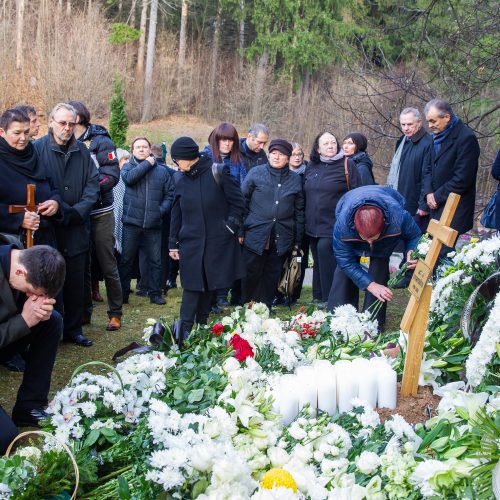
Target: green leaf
(454,452)
(196,395)
(199,488)
(123,488)
(440,443)
(178,393)
(92,438)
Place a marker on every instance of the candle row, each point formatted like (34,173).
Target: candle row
(331,387)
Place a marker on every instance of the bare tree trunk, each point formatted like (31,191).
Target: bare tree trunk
(183,34)
(242,35)
(120,8)
(19,33)
(131,16)
(260,79)
(148,79)
(142,41)
(214,59)
(68,8)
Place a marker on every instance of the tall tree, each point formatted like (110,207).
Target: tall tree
(148,77)
(241,38)
(142,41)
(20,5)
(214,60)
(183,34)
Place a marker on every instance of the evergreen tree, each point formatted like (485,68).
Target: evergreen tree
(118,121)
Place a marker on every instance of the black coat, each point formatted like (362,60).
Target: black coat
(495,172)
(103,149)
(250,158)
(75,176)
(275,205)
(204,227)
(324,185)
(149,192)
(365,168)
(13,192)
(415,160)
(454,170)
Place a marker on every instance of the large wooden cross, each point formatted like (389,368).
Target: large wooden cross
(415,318)
(30,206)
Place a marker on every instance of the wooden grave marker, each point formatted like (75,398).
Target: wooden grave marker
(30,206)
(415,318)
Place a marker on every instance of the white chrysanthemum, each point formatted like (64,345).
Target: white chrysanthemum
(5,492)
(368,462)
(424,472)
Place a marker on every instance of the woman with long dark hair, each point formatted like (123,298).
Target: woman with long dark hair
(224,147)
(328,176)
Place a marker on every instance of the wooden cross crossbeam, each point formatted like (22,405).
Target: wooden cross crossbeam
(30,206)
(415,318)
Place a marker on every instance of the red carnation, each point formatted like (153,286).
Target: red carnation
(242,347)
(218,329)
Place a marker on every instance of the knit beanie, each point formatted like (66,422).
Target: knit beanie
(282,146)
(184,148)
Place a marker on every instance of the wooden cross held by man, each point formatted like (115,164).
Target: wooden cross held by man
(415,318)
(30,206)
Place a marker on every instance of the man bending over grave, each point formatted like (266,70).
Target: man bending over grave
(371,220)
(29,281)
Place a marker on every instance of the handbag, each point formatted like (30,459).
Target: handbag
(290,277)
(489,217)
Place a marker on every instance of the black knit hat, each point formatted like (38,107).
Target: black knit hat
(282,146)
(184,148)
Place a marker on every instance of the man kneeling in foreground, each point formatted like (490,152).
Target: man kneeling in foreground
(29,281)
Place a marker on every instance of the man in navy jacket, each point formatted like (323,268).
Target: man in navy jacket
(371,220)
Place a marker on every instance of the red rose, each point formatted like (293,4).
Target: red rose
(218,329)
(242,347)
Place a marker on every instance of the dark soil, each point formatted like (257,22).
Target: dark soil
(414,409)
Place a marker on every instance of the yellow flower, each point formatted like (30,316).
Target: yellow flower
(278,477)
(474,240)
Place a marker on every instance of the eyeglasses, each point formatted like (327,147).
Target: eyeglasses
(298,155)
(64,124)
(175,162)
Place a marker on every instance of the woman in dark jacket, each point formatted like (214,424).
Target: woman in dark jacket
(328,176)
(354,146)
(19,166)
(206,215)
(274,224)
(148,199)
(224,147)
(495,172)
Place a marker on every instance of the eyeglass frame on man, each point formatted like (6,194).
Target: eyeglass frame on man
(65,124)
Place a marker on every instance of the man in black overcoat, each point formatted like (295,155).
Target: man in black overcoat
(29,281)
(75,176)
(453,167)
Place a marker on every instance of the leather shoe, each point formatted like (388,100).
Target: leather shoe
(114,324)
(222,302)
(29,418)
(142,293)
(15,364)
(171,284)
(157,299)
(80,340)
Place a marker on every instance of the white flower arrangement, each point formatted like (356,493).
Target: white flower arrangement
(477,363)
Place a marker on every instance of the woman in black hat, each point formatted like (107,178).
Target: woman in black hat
(206,216)
(274,224)
(354,146)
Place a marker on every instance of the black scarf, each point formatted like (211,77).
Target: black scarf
(25,161)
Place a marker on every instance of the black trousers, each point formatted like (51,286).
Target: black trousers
(195,306)
(344,291)
(8,431)
(73,295)
(324,264)
(263,275)
(43,342)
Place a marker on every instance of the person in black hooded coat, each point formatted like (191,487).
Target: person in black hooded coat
(206,215)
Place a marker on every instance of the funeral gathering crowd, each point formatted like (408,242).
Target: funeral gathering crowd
(225,219)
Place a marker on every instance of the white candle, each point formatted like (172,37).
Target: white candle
(288,399)
(367,383)
(327,386)
(307,388)
(387,387)
(347,387)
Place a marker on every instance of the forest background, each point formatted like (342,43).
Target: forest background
(300,66)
